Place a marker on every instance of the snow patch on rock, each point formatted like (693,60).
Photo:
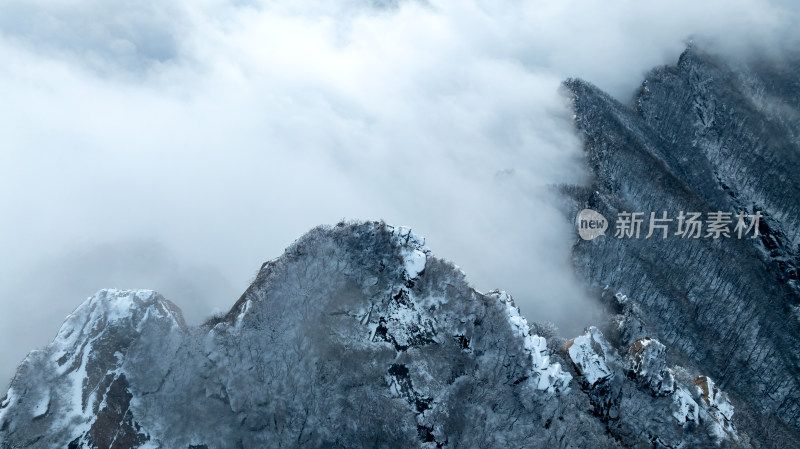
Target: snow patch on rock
(403,325)
(647,361)
(716,408)
(686,409)
(548,377)
(412,248)
(5,402)
(42,405)
(106,307)
(704,402)
(590,353)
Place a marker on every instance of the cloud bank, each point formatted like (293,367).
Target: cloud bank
(178,144)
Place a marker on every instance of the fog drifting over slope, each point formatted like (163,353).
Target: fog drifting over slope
(177,145)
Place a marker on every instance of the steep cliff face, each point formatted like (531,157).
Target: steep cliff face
(704,136)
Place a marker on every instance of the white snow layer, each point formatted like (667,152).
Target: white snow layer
(589,353)
(105,307)
(712,406)
(412,248)
(686,407)
(42,405)
(647,359)
(716,408)
(547,376)
(71,349)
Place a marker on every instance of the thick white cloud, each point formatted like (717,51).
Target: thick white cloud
(224,130)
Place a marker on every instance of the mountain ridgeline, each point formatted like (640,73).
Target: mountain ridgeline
(705,136)
(359,337)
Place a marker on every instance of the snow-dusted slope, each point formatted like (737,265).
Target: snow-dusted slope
(357,334)
(356,337)
(77,391)
(704,135)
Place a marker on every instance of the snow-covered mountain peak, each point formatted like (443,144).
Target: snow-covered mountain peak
(356,333)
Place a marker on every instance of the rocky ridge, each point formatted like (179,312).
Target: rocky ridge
(356,337)
(706,135)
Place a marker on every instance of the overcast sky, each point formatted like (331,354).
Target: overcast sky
(176,145)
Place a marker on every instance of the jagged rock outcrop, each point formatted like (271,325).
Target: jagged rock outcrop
(591,355)
(637,395)
(647,362)
(356,337)
(705,135)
